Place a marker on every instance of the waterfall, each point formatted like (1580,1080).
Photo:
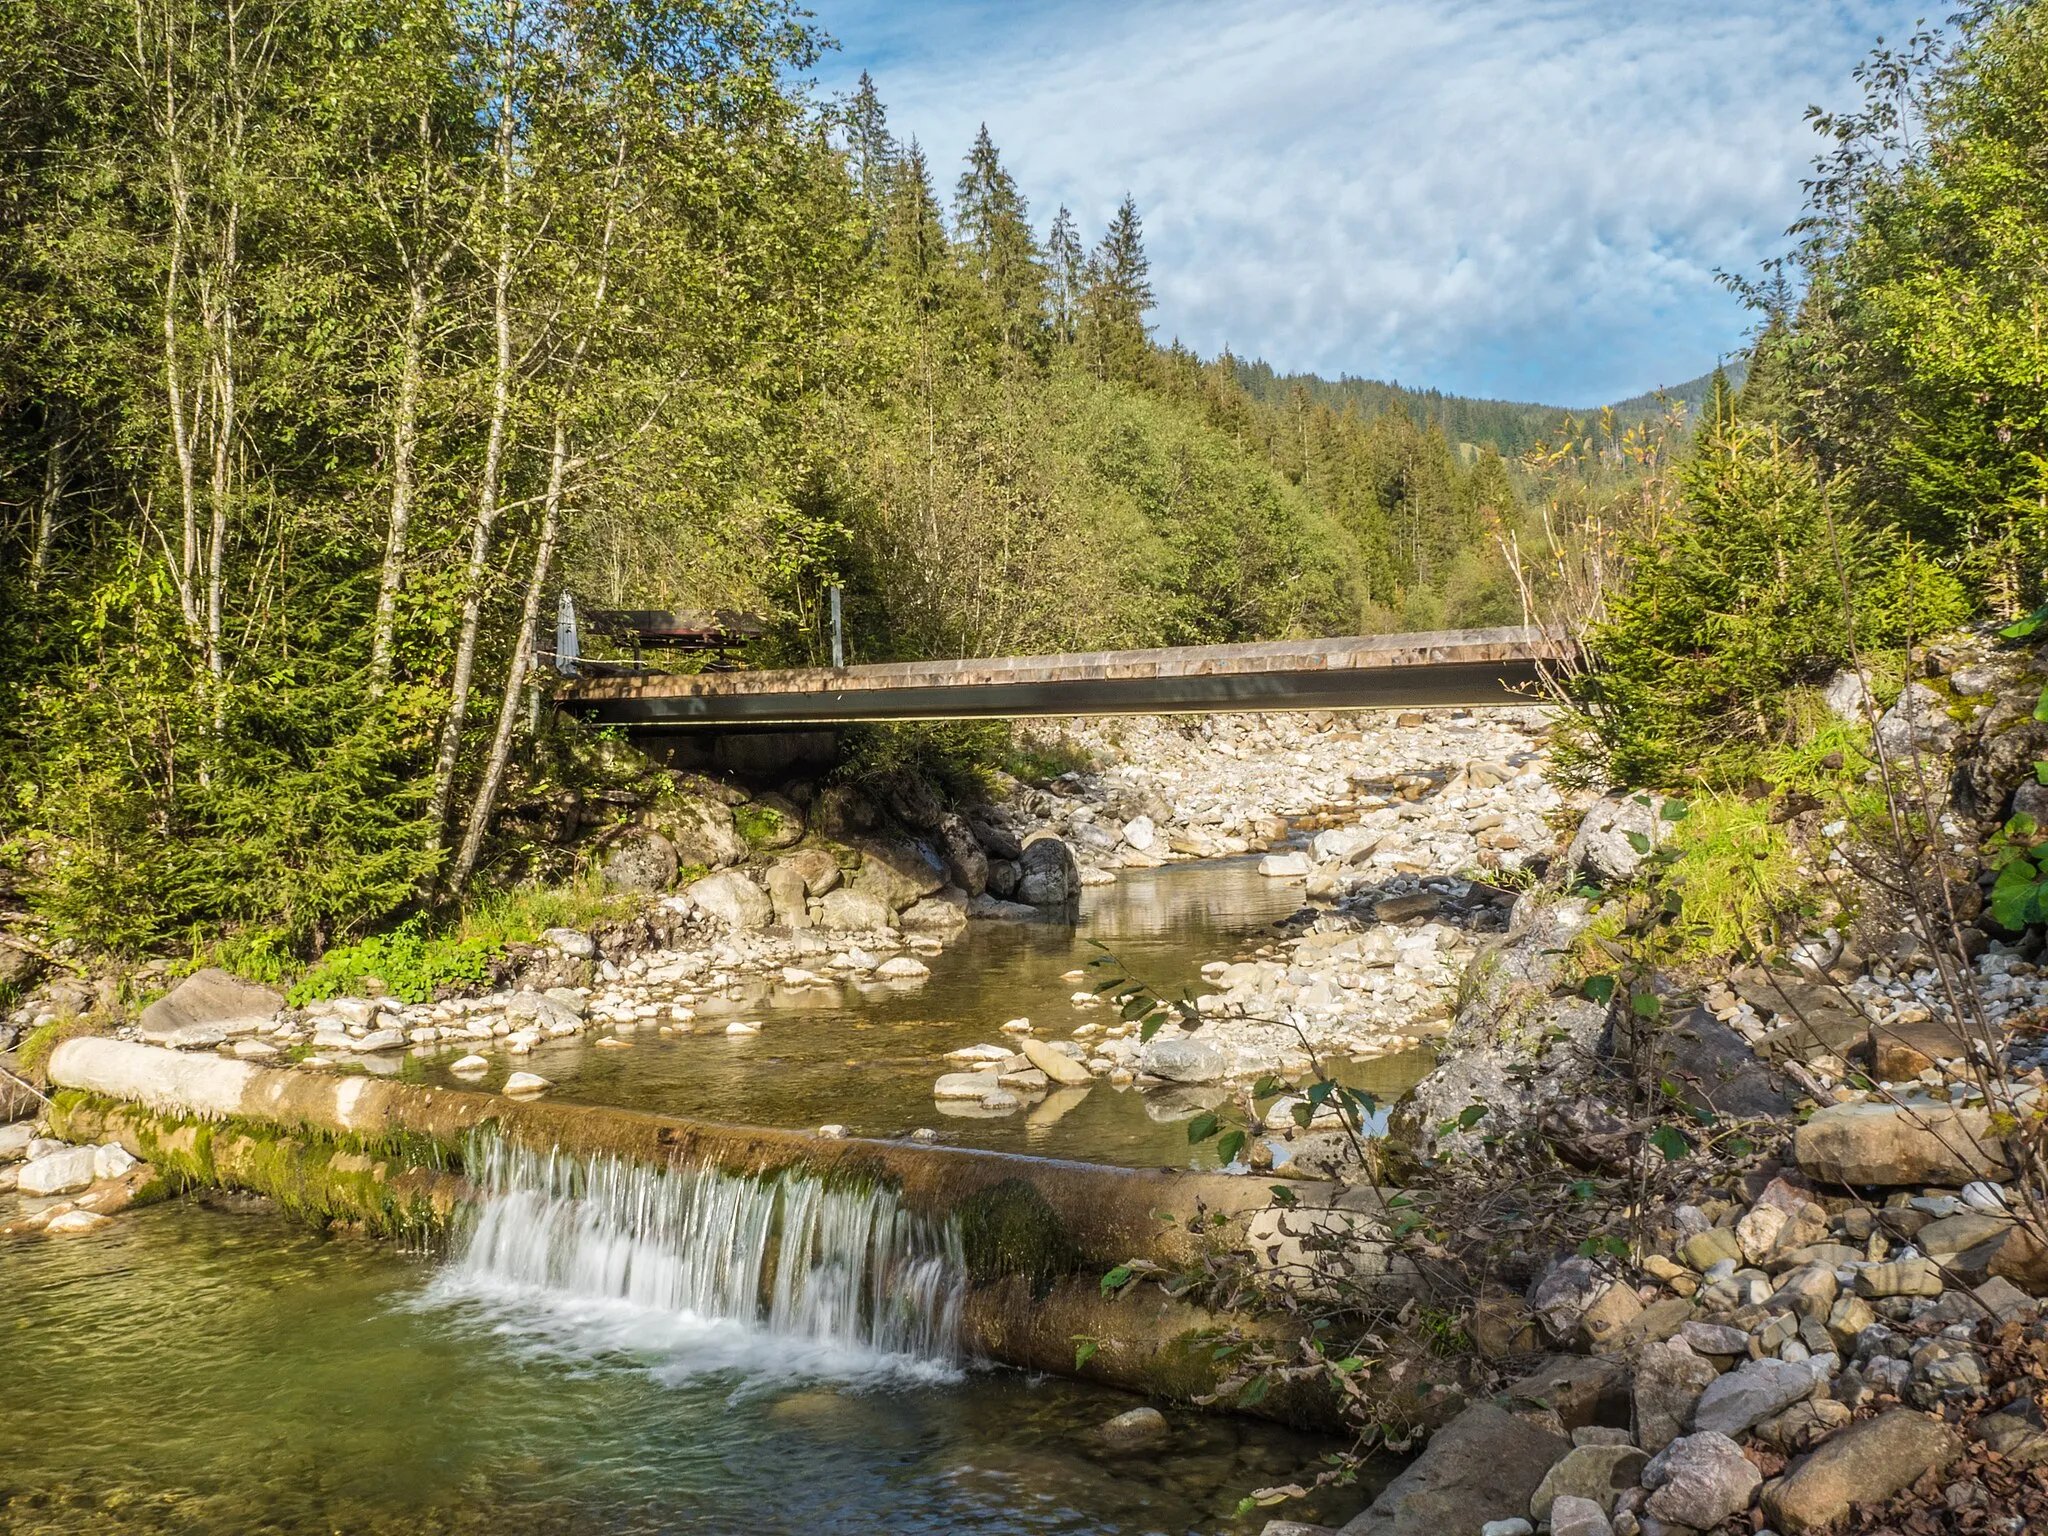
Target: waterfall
(725,1270)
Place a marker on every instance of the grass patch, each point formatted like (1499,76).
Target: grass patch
(757,823)
(33,1053)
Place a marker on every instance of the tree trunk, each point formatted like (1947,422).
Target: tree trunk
(404,447)
(56,476)
(486,803)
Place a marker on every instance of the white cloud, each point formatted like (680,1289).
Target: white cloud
(1524,198)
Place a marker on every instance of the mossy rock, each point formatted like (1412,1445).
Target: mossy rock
(1011,1229)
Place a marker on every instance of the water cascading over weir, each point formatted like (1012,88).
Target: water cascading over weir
(842,1268)
(882,1249)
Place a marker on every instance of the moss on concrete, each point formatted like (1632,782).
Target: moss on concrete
(400,1184)
(1010,1228)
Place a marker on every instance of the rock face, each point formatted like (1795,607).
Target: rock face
(936,914)
(786,893)
(208,1007)
(1700,1480)
(1918,722)
(1047,874)
(1483,1464)
(734,900)
(1865,1463)
(1669,1380)
(642,861)
(1601,848)
(1876,1143)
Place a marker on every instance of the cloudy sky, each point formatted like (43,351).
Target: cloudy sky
(1517,198)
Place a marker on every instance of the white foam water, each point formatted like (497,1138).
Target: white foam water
(704,1271)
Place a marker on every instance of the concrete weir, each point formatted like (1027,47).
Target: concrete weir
(1035,1234)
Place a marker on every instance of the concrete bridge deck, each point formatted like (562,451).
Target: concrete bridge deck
(1446,667)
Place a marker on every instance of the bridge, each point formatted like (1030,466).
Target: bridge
(1467,667)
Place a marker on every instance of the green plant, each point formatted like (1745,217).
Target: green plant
(406,963)
(2019,897)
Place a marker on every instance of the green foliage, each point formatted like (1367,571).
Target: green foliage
(757,823)
(2019,896)
(408,964)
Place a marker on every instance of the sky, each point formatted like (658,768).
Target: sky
(1524,199)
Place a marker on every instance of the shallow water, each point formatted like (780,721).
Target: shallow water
(865,1056)
(193,1371)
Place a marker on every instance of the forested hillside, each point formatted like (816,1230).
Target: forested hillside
(338,338)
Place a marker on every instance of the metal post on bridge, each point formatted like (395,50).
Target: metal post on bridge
(838,634)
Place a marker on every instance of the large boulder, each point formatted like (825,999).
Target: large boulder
(899,872)
(1604,848)
(820,871)
(1668,1382)
(786,891)
(1483,1465)
(852,910)
(769,820)
(843,811)
(964,857)
(911,797)
(62,1172)
(643,861)
(1754,1393)
(734,900)
(1865,1464)
(207,1007)
(942,915)
(1047,874)
(700,829)
(1877,1143)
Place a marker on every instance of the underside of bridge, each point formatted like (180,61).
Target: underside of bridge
(1439,669)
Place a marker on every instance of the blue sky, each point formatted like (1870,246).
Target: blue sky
(1519,198)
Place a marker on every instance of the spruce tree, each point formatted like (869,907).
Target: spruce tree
(871,155)
(914,245)
(997,247)
(1069,274)
(1119,294)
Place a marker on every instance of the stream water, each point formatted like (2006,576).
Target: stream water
(865,1056)
(612,1349)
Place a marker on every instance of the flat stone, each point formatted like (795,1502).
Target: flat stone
(1901,1277)
(1055,1064)
(1966,1229)
(379,1040)
(1715,1338)
(470,1066)
(1877,1143)
(60,1172)
(1699,1480)
(1751,1394)
(1483,1462)
(846,910)
(1513,1527)
(964,1085)
(902,968)
(1601,1473)
(209,1000)
(526,1082)
(1285,866)
(1865,1463)
(1703,1250)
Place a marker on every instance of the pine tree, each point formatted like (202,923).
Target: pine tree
(914,245)
(1118,295)
(1069,274)
(871,154)
(997,247)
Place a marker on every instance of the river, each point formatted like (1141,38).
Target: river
(573,1364)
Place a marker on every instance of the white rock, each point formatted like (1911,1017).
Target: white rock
(60,1172)
(1285,866)
(381,1040)
(1140,833)
(1023,1027)
(1982,1196)
(903,968)
(470,1066)
(833,1132)
(527,1082)
(14,1140)
(964,1085)
(111,1161)
(576,945)
(744,1027)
